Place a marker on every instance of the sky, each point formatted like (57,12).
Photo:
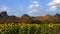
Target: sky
(30,7)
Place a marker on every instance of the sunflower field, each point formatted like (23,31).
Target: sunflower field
(12,28)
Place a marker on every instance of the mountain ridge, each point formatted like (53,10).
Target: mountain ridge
(4,18)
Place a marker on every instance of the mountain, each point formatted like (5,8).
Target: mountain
(4,18)
(49,18)
(26,18)
(3,13)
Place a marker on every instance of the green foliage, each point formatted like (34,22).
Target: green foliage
(36,22)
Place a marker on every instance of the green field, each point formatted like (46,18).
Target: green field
(29,28)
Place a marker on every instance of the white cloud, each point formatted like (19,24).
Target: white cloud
(54,2)
(35,2)
(52,8)
(54,5)
(9,10)
(33,11)
(31,6)
(34,8)
(5,8)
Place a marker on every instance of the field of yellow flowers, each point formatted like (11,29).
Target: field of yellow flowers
(12,28)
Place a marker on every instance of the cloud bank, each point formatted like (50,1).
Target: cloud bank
(35,8)
(54,5)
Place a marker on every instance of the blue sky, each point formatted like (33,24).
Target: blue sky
(20,7)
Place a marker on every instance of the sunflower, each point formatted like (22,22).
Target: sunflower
(50,25)
(2,25)
(1,30)
(37,25)
(23,26)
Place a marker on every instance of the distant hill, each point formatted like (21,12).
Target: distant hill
(4,18)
